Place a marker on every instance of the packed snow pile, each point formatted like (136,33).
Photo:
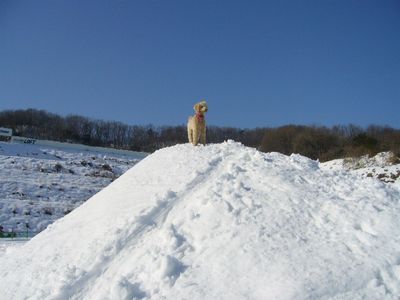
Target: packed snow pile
(218,222)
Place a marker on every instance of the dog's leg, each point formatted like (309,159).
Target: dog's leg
(190,135)
(195,137)
(203,135)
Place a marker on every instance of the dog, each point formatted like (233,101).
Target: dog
(196,125)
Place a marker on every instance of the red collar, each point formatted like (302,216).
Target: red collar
(200,117)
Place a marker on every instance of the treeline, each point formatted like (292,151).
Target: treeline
(315,142)
(330,143)
(40,124)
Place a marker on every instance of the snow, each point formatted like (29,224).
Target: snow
(219,221)
(40,184)
(382,166)
(8,245)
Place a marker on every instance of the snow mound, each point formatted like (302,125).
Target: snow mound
(381,160)
(384,166)
(218,222)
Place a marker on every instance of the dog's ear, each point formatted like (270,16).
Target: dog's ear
(196,107)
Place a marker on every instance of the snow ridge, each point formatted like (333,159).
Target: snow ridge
(218,222)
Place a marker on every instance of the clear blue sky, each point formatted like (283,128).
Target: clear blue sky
(257,63)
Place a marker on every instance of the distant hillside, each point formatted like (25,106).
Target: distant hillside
(40,184)
(316,142)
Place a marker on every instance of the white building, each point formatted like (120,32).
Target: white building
(5,134)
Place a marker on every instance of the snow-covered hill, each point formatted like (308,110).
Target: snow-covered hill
(218,222)
(41,183)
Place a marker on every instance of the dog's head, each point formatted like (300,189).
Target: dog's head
(201,107)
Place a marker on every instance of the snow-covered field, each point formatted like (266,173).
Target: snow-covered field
(40,184)
(218,222)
